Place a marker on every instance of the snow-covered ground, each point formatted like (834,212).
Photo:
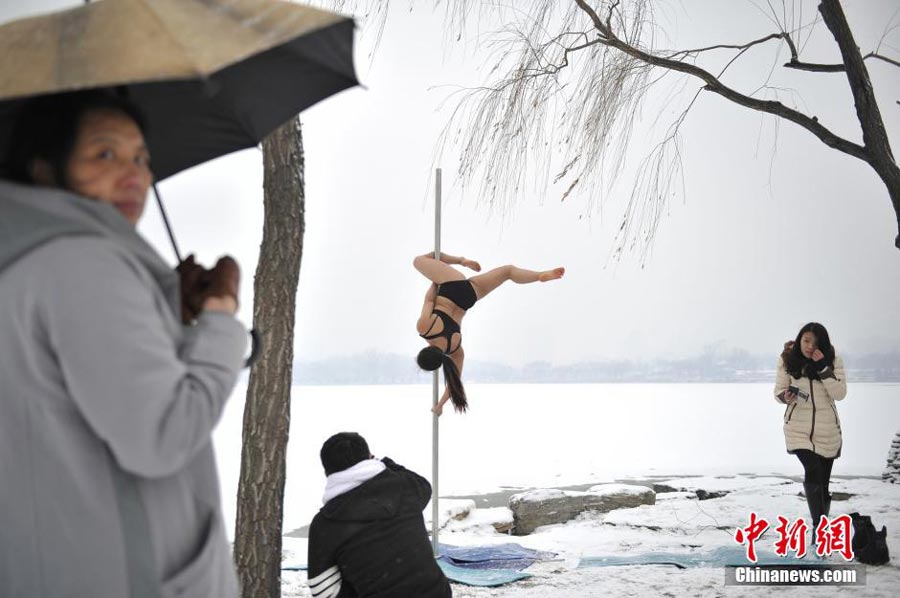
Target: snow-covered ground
(678,522)
(717,437)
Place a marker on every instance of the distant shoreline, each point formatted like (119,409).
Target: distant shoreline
(426,382)
(724,367)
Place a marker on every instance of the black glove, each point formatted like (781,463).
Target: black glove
(194,285)
(224,279)
(198,284)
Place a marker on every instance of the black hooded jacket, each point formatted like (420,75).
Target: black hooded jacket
(371,542)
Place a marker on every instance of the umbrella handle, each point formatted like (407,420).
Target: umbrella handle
(165,218)
(255,335)
(256,338)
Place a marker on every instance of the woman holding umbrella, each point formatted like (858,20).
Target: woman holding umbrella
(107,399)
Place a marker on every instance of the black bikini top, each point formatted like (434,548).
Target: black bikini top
(450,328)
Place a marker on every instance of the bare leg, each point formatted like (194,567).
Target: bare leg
(435,271)
(490,280)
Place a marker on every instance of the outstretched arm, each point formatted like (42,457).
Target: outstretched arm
(439,408)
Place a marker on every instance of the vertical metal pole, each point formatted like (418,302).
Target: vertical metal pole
(435,383)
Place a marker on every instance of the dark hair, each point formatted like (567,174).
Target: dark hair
(431,358)
(342,451)
(796,364)
(46,128)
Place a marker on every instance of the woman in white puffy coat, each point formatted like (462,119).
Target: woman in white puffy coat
(810,379)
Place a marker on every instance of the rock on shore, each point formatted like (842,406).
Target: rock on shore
(535,508)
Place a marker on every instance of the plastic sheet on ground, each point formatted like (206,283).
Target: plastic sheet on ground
(480,577)
(500,556)
(723,556)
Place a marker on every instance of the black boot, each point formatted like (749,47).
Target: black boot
(826,508)
(815,499)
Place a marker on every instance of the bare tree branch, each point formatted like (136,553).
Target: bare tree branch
(569,96)
(814,68)
(884,58)
(726,46)
(833,68)
(713,84)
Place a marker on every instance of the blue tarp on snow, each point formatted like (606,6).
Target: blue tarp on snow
(486,566)
(500,556)
(722,556)
(480,577)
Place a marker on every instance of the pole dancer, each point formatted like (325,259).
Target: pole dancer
(448,299)
(446,302)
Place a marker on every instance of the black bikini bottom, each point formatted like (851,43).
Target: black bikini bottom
(460,292)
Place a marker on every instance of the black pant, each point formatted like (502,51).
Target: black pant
(816,468)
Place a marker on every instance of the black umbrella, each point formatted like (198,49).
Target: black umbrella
(211,76)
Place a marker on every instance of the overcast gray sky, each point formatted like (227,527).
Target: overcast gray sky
(757,246)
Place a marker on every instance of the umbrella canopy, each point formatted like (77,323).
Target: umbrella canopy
(211,76)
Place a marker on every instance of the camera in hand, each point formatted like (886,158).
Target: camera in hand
(798,392)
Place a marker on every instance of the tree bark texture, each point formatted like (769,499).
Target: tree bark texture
(875,137)
(257,547)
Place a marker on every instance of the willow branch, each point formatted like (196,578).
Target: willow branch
(728,46)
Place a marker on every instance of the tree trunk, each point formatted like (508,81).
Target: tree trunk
(892,471)
(875,137)
(257,546)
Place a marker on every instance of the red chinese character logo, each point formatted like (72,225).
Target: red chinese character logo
(834,536)
(791,538)
(750,534)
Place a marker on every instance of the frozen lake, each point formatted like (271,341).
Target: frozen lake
(549,435)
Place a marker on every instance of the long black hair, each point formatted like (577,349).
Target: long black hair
(431,358)
(796,364)
(47,128)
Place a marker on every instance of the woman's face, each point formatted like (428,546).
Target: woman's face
(110,162)
(808,344)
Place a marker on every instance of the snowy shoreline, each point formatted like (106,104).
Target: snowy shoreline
(526,436)
(500,498)
(717,437)
(679,522)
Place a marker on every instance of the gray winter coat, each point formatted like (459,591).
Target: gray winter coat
(108,484)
